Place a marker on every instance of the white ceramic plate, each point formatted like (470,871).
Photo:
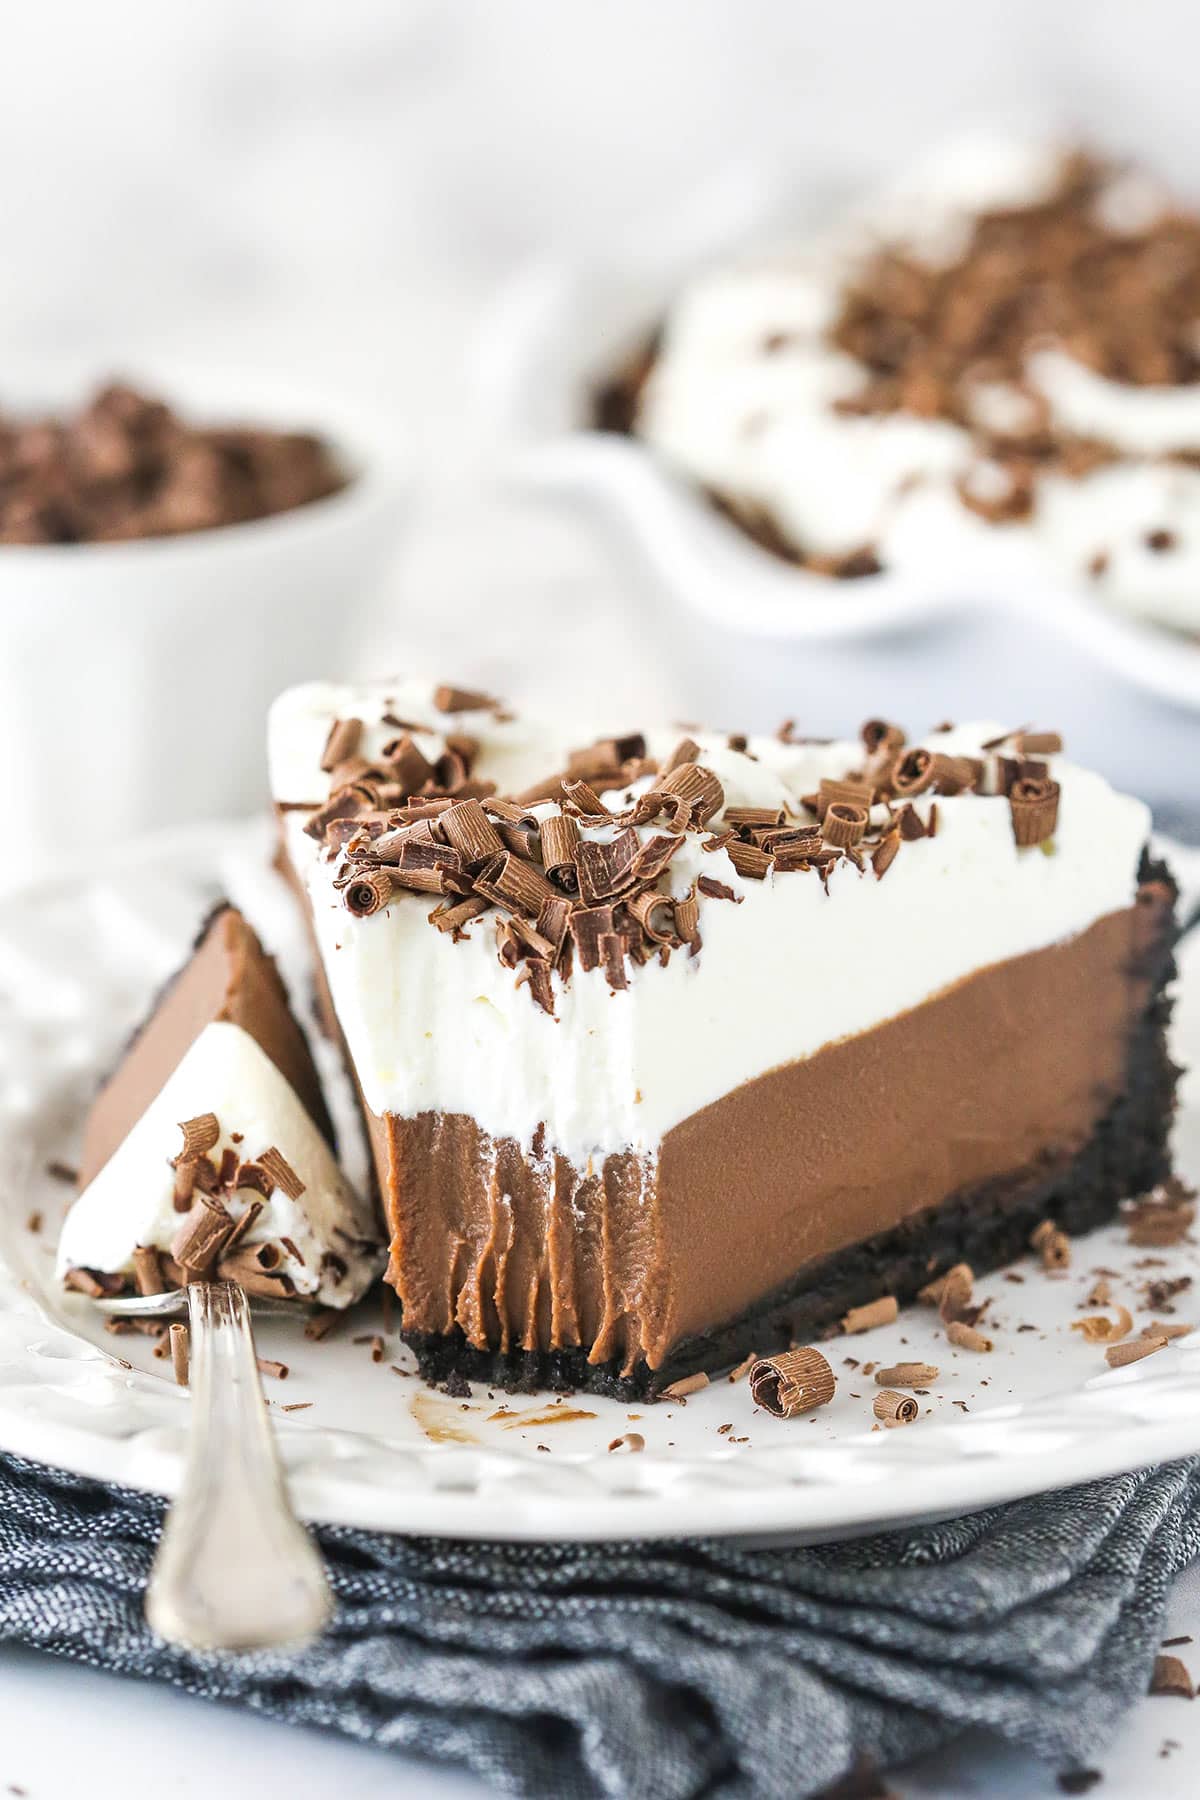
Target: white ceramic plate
(558,329)
(373,1446)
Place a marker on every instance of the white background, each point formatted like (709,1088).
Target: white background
(334,191)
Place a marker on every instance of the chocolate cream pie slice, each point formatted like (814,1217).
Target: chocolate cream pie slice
(676,1046)
(209,1151)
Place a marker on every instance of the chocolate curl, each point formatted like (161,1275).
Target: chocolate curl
(186,1171)
(408,765)
(745,818)
(881,738)
(1038,743)
(202,1234)
(97,1284)
(588,926)
(892,1409)
(907,1374)
(917,771)
(585,799)
(560,839)
(1052,1245)
(849,793)
(513,884)
(199,1136)
(450,699)
(368,893)
(967,1338)
(748,860)
(344,738)
(655,913)
(281,1172)
(687,921)
(147,1270)
(179,1352)
(1034,808)
(697,787)
(427,868)
(388,847)
(685,751)
(845,824)
(795,1381)
(603,759)
(245,1268)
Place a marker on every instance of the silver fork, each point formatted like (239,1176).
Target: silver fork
(234,1569)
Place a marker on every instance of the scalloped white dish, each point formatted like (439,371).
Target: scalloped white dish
(370,1444)
(558,330)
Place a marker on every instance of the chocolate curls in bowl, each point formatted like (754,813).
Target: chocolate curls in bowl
(126,466)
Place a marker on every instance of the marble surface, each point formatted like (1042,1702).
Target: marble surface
(210,1748)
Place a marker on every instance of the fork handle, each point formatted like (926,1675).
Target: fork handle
(235,1570)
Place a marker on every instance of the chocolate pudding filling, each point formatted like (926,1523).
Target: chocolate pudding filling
(624,1274)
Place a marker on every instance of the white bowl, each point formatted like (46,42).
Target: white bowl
(558,330)
(135,677)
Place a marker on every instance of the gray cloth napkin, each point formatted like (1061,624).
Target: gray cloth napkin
(660,1670)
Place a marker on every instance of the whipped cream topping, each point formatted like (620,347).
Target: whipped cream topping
(783,970)
(130,1203)
(742,394)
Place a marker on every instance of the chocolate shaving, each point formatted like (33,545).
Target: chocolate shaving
(1097,1329)
(199,1239)
(796,1381)
(200,1135)
(278,1370)
(653,857)
(885,853)
(450,699)
(716,890)
(341,744)
(452,918)
(966,1337)
(95,1283)
(1170,1676)
(1118,1355)
(585,800)
(588,925)
(883,1311)
(606,869)
(281,1172)
(687,921)
(908,1374)
(687,1384)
